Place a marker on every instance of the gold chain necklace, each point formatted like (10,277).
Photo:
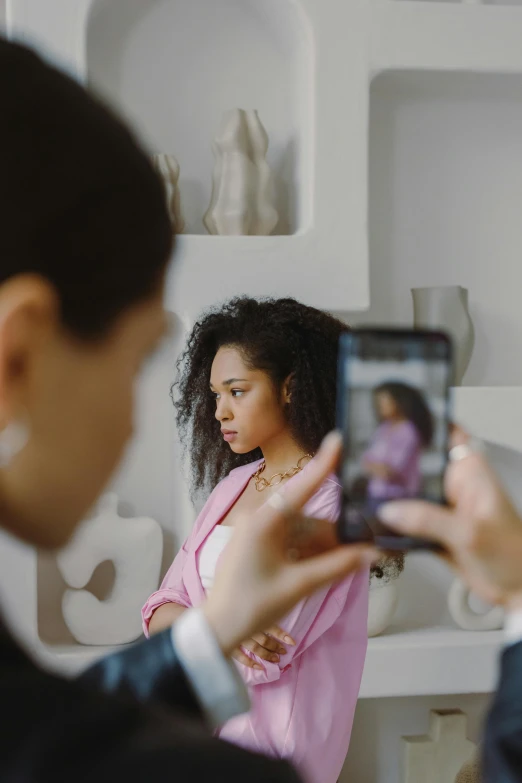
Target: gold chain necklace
(262,483)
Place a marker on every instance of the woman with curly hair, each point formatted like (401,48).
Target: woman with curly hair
(392,460)
(256,395)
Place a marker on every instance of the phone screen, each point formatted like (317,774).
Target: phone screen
(393,410)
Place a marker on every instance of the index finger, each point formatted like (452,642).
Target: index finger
(317,471)
(420,519)
(278,633)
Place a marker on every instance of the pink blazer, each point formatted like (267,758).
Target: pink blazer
(302,707)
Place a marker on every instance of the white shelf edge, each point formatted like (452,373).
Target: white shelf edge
(231,267)
(493,413)
(414,35)
(430,662)
(420,662)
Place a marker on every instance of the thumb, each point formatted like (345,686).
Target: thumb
(418,518)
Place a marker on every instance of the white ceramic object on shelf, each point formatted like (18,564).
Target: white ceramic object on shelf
(438,756)
(384,596)
(135,547)
(168,168)
(243,192)
(446,307)
(492,619)
(470,770)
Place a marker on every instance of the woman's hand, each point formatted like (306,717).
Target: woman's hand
(379,470)
(265,645)
(277,557)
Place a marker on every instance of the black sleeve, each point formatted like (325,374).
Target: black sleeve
(71,732)
(195,761)
(149,671)
(503,737)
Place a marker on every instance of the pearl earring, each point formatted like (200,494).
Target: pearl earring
(13,439)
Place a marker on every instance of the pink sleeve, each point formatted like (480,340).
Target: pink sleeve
(404,448)
(172,589)
(313,616)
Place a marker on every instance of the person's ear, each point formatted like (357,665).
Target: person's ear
(287,390)
(29,313)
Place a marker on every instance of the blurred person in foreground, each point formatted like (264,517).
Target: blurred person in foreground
(84,245)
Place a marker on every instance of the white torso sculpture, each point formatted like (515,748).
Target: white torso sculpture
(243,192)
(135,547)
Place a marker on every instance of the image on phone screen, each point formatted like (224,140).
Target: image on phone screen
(393,403)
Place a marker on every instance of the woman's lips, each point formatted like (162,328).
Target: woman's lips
(229,435)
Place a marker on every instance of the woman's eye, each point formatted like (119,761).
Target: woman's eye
(237,392)
(214,395)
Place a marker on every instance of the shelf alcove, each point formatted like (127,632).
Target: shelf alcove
(174,66)
(445,203)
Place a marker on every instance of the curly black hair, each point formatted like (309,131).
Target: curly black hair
(412,406)
(280,336)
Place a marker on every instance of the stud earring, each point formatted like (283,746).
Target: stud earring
(13,439)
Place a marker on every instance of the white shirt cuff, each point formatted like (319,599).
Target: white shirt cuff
(513,627)
(215,681)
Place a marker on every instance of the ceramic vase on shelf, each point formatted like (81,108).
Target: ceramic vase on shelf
(446,307)
(491,619)
(168,168)
(384,593)
(384,597)
(243,192)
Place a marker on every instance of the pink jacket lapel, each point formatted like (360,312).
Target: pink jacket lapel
(225,495)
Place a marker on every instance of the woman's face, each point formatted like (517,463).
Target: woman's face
(250,411)
(79,401)
(386,406)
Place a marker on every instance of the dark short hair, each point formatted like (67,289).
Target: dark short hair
(80,203)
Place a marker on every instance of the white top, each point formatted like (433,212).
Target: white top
(210,553)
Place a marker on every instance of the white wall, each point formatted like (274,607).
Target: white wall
(208,57)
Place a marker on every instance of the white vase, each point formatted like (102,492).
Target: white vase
(168,168)
(243,193)
(459,595)
(384,596)
(446,307)
(135,547)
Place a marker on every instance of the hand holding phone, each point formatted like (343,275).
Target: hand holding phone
(393,411)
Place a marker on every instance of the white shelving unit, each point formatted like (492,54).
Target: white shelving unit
(327,135)
(431,661)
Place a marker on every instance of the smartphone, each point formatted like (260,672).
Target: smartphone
(393,408)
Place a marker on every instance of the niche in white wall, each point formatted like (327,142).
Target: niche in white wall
(445,204)
(174,66)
